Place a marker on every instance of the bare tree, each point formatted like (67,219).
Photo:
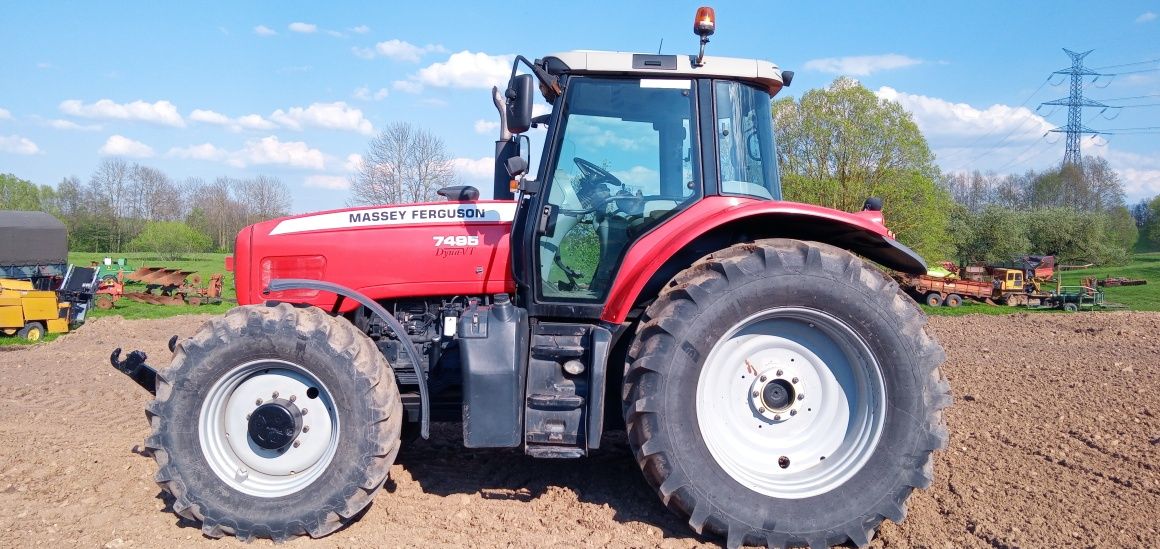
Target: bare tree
(402,164)
(152,196)
(264,197)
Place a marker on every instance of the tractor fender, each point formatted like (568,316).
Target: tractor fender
(282,284)
(717,222)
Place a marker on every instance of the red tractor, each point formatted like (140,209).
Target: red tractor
(776,388)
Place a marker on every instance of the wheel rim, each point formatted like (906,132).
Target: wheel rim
(822,434)
(227,428)
(34,334)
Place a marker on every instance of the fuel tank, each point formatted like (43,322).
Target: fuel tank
(385,252)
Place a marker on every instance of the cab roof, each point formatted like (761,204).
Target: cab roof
(762,73)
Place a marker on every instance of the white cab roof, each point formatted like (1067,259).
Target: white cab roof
(757,71)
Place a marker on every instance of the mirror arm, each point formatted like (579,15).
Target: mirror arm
(542,75)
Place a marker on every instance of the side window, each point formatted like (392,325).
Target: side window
(748,165)
(627,161)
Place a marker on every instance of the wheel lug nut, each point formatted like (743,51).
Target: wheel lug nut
(779,372)
(794,380)
(275,394)
(305,428)
(777,417)
(304,410)
(297,443)
(801,396)
(258,402)
(793,412)
(763,378)
(754,394)
(293,398)
(247,417)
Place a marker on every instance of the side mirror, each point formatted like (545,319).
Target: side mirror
(872,204)
(519,103)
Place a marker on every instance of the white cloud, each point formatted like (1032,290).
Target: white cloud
(332,182)
(5,114)
(118,145)
(255,122)
(407,86)
(247,122)
(638,176)
(364,93)
(466,69)
(353,163)
(15,144)
(209,117)
(1146,17)
(263,30)
(406,51)
(363,53)
(269,150)
(486,126)
(334,116)
(941,120)
(305,28)
(474,170)
(70,125)
(361,29)
(861,65)
(161,112)
(335,34)
(265,151)
(205,151)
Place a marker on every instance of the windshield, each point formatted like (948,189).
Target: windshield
(748,165)
(627,161)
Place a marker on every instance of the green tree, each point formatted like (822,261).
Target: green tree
(170,239)
(20,194)
(992,235)
(839,145)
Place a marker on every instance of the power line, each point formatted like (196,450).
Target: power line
(1157,60)
(1005,137)
(1132,97)
(1133,72)
(1137,106)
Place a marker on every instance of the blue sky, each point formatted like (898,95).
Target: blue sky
(296,90)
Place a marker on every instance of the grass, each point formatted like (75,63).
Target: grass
(204,264)
(1138,298)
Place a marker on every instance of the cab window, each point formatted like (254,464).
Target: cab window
(745,141)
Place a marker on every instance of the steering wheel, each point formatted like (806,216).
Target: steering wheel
(600,175)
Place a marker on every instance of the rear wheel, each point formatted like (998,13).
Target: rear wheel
(274,422)
(815,395)
(32,331)
(1070,307)
(954,300)
(934,299)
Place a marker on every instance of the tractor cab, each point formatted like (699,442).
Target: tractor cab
(632,141)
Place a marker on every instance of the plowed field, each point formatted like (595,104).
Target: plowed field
(1055,441)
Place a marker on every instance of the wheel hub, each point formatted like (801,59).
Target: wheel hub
(275,424)
(778,395)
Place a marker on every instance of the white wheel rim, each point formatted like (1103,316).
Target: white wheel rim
(828,429)
(242,464)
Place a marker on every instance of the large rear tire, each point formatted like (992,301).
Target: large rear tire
(785,393)
(274,422)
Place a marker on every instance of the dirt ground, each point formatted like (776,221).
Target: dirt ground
(1055,438)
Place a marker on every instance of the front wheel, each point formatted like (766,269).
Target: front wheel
(33,331)
(784,393)
(274,422)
